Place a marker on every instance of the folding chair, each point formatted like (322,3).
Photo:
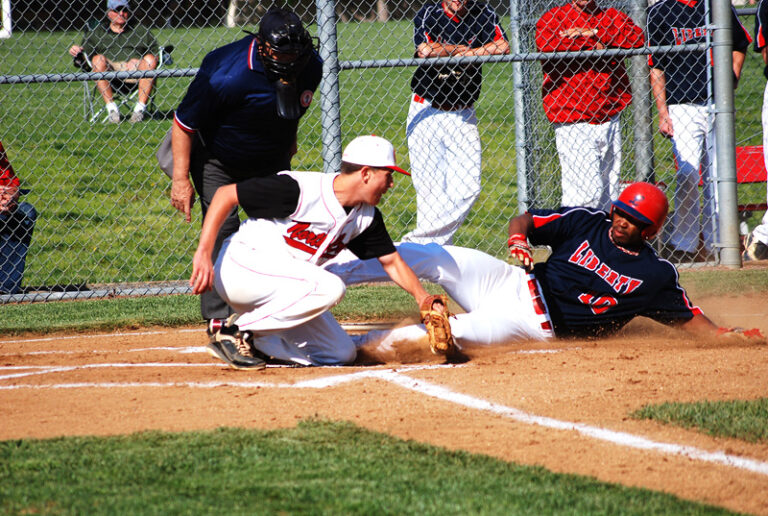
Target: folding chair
(125,90)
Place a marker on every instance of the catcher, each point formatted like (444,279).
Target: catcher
(601,274)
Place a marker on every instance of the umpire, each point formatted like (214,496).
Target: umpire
(239,119)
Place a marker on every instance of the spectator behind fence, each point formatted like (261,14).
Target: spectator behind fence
(756,243)
(244,104)
(17,220)
(584,97)
(443,140)
(686,115)
(124,47)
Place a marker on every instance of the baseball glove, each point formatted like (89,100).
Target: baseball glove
(434,315)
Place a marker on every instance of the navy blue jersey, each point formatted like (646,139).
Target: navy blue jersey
(594,287)
(761,25)
(234,107)
(681,22)
(453,85)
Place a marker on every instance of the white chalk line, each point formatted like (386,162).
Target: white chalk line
(396,377)
(602,434)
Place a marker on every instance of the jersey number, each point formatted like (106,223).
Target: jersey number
(598,304)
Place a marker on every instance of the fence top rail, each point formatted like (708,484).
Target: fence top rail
(357,64)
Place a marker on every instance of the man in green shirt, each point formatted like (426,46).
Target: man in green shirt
(123,47)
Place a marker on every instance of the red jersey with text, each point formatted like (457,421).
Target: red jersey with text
(593,286)
(299,214)
(585,89)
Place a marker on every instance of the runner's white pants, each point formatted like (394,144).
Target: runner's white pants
(590,160)
(446,159)
(284,302)
(495,295)
(761,231)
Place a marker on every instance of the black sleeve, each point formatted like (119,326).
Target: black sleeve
(374,241)
(271,197)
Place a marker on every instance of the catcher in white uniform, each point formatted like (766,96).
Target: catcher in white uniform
(270,271)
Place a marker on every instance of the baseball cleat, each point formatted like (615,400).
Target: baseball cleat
(227,351)
(754,249)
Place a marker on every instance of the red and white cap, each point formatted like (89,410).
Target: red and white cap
(372,151)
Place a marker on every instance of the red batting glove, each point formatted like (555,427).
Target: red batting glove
(751,335)
(522,256)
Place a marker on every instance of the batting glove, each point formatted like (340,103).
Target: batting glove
(522,256)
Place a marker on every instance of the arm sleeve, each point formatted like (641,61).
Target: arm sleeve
(741,37)
(271,197)
(671,304)
(655,38)
(548,38)
(374,241)
(200,102)
(617,30)
(761,26)
(420,29)
(492,31)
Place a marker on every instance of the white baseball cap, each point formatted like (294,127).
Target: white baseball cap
(372,151)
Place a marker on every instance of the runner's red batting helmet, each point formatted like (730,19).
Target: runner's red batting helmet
(646,203)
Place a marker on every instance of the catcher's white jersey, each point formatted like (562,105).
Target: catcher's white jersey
(268,273)
(317,230)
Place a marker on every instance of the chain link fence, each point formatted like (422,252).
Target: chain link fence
(105,226)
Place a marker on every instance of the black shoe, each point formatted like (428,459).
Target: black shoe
(228,343)
(226,351)
(754,249)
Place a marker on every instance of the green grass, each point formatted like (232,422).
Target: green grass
(740,419)
(361,303)
(317,468)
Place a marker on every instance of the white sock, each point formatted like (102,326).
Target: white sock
(112,107)
(140,106)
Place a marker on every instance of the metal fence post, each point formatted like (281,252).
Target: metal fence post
(641,103)
(725,138)
(330,100)
(518,85)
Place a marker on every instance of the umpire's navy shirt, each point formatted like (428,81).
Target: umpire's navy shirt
(233,106)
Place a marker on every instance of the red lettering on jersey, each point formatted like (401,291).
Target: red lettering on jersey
(682,35)
(597,303)
(300,237)
(591,261)
(335,248)
(620,283)
(578,253)
(586,258)
(632,286)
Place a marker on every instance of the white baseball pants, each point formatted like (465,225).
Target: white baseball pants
(496,296)
(761,231)
(446,158)
(284,302)
(694,148)
(590,160)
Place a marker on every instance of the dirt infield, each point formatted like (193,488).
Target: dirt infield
(563,405)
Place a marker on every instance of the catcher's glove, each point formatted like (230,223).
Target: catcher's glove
(434,315)
(521,253)
(753,335)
